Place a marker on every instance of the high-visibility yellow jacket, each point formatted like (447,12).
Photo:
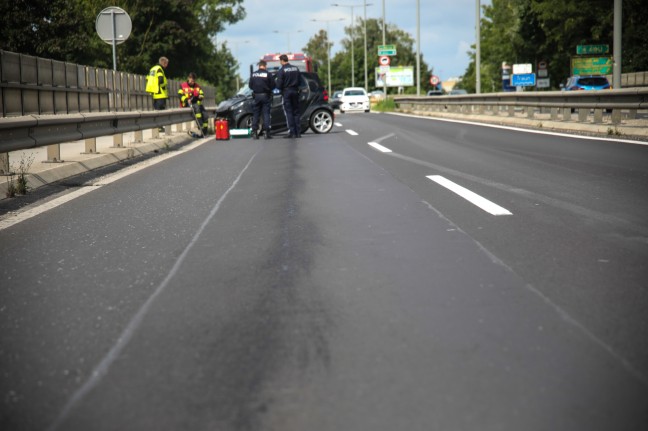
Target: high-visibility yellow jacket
(156,83)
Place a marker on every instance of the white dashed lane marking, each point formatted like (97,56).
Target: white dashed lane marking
(351,132)
(471,197)
(379,147)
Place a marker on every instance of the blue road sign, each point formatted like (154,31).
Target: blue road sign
(523,80)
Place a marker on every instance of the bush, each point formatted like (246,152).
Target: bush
(387,105)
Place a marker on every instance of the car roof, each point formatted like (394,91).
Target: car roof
(353,88)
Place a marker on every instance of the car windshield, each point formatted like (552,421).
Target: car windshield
(593,81)
(354,93)
(244,91)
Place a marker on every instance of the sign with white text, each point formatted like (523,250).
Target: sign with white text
(523,80)
(521,69)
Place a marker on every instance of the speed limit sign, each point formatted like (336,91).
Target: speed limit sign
(384,60)
(434,80)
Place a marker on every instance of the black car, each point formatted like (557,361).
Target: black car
(317,114)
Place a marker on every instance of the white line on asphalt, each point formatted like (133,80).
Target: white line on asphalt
(338,124)
(15,218)
(122,341)
(379,147)
(471,197)
(351,132)
(520,129)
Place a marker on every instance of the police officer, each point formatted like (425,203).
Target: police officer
(288,78)
(262,84)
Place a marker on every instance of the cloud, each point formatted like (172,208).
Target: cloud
(446,28)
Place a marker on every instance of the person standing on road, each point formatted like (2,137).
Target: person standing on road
(156,84)
(191,96)
(288,78)
(262,84)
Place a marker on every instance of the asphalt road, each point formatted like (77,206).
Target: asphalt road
(326,284)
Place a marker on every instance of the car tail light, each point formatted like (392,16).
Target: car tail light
(325,94)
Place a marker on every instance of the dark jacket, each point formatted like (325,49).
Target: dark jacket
(261,82)
(288,77)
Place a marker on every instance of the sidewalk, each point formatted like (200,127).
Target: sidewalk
(74,161)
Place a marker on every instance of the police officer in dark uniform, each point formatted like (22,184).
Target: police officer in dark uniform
(288,78)
(262,84)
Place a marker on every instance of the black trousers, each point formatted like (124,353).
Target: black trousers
(261,105)
(291,109)
(159,104)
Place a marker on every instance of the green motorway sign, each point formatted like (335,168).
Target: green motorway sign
(591,65)
(386,50)
(592,49)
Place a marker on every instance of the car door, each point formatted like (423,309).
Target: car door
(278,115)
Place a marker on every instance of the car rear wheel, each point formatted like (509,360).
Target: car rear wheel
(321,121)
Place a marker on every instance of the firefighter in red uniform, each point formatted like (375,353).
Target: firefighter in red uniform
(191,95)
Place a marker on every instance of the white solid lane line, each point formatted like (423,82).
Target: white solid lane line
(471,197)
(351,132)
(9,220)
(379,147)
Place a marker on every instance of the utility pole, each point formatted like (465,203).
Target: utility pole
(478,50)
(616,44)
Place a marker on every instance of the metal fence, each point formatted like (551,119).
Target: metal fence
(634,79)
(38,86)
(560,104)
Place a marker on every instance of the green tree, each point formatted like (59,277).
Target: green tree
(527,31)
(341,61)
(178,29)
(317,48)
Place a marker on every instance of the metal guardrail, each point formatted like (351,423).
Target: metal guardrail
(555,102)
(46,102)
(37,86)
(31,131)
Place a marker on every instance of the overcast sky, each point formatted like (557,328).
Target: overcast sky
(447,28)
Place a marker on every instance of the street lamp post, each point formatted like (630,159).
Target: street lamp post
(365,45)
(383,41)
(236,45)
(287,33)
(351,6)
(328,48)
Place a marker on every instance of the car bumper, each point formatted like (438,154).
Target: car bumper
(354,106)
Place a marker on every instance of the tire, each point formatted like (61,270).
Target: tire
(321,121)
(245,123)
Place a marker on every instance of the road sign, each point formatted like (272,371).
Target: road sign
(521,69)
(591,65)
(384,60)
(386,50)
(592,49)
(399,76)
(434,80)
(113,25)
(544,83)
(523,80)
